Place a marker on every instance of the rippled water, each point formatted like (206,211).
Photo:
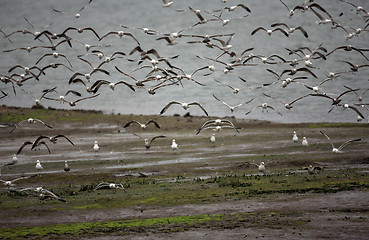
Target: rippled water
(105,16)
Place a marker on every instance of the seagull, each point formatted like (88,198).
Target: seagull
(338,150)
(174,145)
(142,125)
(290,11)
(287,105)
(10,183)
(305,142)
(185,106)
(311,169)
(212,138)
(96,148)
(234,89)
(66,166)
(120,34)
(110,185)
(144,52)
(167,3)
(359,97)
(217,124)
(52,139)
(143,29)
(261,166)
(14,159)
(270,31)
(354,67)
(88,75)
(72,103)
(263,106)
(96,86)
(55,55)
(43,193)
(335,100)
(78,14)
(348,106)
(148,141)
(290,30)
(356,7)
(226,21)
(232,108)
(232,8)
(31,143)
(38,165)
(349,48)
(295,138)
(30,120)
(79,30)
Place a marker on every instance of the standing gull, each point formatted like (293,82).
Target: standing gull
(38,165)
(96,148)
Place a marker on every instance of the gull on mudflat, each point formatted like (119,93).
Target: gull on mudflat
(14,158)
(148,141)
(311,169)
(110,186)
(96,147)
(295,138)
(338,150)
(174,145)
(10,183)
(142,125)
(212,138)
(261,166)
(30,120)
(305,142)
(185,106)
(38,165)
(66,166)
(42,193)
(232,108)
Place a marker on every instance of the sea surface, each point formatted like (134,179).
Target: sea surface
(105,16)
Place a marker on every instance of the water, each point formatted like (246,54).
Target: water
(105,16)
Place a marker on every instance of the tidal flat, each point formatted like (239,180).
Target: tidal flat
(203,189)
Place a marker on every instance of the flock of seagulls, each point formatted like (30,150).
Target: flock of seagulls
(160,72)
(165,73)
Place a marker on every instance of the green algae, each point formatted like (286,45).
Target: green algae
(76,229)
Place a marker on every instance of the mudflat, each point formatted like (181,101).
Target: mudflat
(201,190)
